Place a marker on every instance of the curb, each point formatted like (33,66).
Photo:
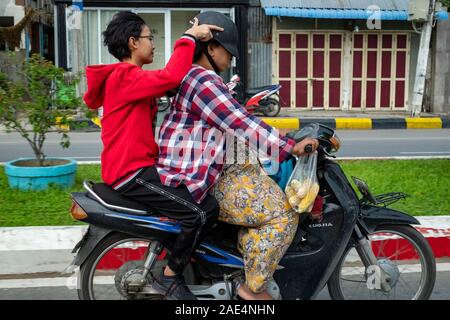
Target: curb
(30,250)
(334,123)
(362,123)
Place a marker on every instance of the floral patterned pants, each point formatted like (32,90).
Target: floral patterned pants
(249,198)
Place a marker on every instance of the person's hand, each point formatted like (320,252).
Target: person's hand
(299,148)
(202,32)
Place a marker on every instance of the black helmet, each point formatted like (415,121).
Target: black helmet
(228,38)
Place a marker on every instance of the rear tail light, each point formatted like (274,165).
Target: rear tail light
(77,212)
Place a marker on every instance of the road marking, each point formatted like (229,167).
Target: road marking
(345,139)
(82,162)
(404,268)
(108,280)
(49,282)
(425,152)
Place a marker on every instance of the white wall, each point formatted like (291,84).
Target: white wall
(441,69)
(18,12)
(3,7)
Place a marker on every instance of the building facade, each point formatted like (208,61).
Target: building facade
(344,55)
(37,36)
(80,41)
(350,55)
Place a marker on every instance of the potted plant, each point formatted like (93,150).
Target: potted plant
(42,97)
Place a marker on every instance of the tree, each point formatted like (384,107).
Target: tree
(41,97)
(446,3)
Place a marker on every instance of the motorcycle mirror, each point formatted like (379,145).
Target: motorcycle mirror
(310,131)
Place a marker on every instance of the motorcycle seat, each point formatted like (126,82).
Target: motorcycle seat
(113,200)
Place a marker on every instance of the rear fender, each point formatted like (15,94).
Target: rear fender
(88,243)
(373,216)
(254,101)
(275,89)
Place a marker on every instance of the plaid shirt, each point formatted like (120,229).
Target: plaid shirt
(193,136)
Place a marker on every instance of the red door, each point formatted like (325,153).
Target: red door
(302,63)
(284,67)
(318,70)
(379,71)
(335,58)
(310,69)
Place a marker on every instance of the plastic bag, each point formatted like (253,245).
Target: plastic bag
(303,187)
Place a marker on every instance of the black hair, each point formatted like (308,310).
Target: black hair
(124,25)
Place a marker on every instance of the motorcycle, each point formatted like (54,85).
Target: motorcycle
(357,247)
(263,100)
(163,103)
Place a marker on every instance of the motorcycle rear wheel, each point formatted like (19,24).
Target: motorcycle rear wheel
(271,107)
(98,273)
(350,279)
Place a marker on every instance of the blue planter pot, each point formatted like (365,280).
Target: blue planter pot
(39,178)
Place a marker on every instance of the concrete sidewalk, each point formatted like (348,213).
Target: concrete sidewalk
(31,250)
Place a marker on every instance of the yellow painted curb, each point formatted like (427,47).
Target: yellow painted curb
(423,123)
(63,127)
(97,121)
(353,123)
(283,123)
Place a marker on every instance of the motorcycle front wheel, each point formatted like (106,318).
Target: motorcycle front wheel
(402,253)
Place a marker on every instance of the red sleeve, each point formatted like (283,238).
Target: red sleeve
(144,83)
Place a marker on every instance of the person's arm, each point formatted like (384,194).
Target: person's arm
(144,83)
(214,104)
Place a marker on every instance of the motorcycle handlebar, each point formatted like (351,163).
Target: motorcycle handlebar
(308,148)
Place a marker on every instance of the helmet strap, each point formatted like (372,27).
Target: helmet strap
(210,59)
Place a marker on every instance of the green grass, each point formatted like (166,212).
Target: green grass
(41,208)
(427,181)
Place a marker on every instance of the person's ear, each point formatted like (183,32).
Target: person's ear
(211,50)
(132,43)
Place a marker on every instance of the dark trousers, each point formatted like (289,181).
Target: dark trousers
(175,203)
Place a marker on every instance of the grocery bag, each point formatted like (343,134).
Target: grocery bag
(303,187)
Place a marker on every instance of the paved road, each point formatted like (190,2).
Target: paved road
(355,143)
(441,291)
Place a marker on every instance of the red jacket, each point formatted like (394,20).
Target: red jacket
(127,94)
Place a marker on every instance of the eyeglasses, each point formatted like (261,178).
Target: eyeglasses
(151,38)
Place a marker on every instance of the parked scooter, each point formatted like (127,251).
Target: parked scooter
(163,103)
(357,246)
(263,100)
